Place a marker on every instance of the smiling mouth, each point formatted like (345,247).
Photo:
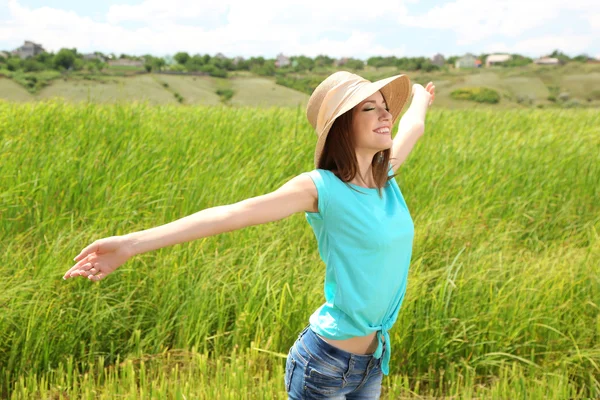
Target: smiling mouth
(382,131)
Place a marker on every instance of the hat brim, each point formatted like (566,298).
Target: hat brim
(395,90)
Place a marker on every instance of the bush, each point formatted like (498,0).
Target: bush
(478,94)
(306,85)
(214,71)
(225,94)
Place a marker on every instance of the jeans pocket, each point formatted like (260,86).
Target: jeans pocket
(323,381)
(290,365)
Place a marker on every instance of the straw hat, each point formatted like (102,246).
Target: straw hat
(341,91)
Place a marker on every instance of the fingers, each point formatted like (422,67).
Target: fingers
(97,277)
(84,267)
(76,267)
(92,248)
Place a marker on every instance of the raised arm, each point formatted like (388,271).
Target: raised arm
(105,255)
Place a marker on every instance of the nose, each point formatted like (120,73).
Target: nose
(385,114)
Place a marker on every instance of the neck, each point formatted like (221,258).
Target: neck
(364,175)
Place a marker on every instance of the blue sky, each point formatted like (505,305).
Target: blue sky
(338,28)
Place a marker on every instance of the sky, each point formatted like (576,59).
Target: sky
(337,28)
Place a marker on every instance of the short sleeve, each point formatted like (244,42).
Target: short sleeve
(319,179)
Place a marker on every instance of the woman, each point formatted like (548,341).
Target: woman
(360,220)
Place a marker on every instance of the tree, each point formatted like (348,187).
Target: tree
(182,57)
(560,55)
(302,63)
(65,58)
(353,63)
(323,61)
(152,63)
(581,58)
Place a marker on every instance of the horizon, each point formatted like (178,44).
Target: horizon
(238,29)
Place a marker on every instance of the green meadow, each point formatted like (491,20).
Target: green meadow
(503,300)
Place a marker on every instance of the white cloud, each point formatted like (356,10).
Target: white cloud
(474,20)
(544,45)
(263,27)
(594,20)
(253,28)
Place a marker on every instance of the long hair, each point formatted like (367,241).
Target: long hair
(338,154)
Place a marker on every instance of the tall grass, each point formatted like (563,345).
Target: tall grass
(504,289)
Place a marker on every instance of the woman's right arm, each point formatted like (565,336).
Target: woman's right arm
(298,194)
(105,255)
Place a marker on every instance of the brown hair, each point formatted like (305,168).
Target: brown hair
(338,154)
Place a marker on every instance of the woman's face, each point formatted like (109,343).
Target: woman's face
(372,124)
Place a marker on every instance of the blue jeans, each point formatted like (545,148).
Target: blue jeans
(315,369)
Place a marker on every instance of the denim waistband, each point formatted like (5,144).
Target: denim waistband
(359,361)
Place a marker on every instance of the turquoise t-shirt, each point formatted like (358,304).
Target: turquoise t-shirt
(366,244)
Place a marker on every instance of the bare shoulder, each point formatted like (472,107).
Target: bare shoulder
(303,187)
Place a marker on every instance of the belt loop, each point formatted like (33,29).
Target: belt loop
(303,332)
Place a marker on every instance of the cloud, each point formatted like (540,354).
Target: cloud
(544,45)
(237,27)
(473,21)
(310,27)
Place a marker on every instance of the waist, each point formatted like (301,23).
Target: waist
(363,345)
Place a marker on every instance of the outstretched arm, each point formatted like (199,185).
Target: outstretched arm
(294,196)
(105,255)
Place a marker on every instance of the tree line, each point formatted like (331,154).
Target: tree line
(219,66)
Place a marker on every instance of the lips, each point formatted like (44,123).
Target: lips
(382,131)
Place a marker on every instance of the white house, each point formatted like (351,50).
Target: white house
(495,59)
(547,61)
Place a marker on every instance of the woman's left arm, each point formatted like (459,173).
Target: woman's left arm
(412,123)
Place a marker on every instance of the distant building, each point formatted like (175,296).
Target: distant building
(340,61)
(497,59)
(4,54)
(92,56)
(125,62)
(466,61)
(282,61)
(238,60)
(29,49)
(438,60)
(547,61)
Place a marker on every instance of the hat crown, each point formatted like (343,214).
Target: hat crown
(316,98)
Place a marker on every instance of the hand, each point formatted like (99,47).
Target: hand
(428,91)
(101,258)
(431,89)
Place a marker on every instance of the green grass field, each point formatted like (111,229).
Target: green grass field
(503,298)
